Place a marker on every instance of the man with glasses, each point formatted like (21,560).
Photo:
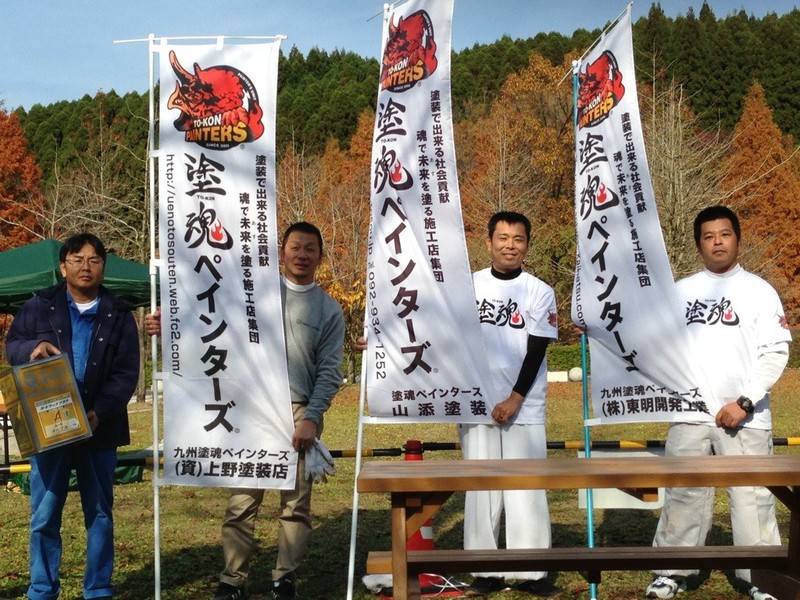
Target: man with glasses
(96,330)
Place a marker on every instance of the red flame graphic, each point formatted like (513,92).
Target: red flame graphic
(397,173)
(216,231)
(601,195)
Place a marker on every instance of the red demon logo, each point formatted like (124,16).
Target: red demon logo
(212,105)
(410,53)
(600,90)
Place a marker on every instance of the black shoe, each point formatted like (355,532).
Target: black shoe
(284,588)
(538,587)
(483,586)
(226,591)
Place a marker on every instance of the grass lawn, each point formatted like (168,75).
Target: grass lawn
(190,517)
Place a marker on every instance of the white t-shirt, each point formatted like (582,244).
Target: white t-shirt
(733,318)
(509,311)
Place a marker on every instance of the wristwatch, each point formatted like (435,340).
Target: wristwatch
(746,404)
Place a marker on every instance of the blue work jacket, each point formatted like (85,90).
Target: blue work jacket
(112,369)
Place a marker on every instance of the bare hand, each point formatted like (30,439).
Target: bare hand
(43,350)
(730,416)
(91,416)
(152,323)
(304,433)
(505,411)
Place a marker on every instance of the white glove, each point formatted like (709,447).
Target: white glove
(319,462)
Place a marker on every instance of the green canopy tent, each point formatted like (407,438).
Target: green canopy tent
(29,268)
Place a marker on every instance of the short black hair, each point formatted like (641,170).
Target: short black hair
(303,227)
(712,213)
(74,243)
(511,218)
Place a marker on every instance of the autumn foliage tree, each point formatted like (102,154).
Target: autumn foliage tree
(512,102)
(519,156)
(763,186)
(19,185)
(332,191)
(19,190)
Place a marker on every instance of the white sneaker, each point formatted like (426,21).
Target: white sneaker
(757,594)
(665,587)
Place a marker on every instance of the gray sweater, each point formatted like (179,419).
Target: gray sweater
(314,326)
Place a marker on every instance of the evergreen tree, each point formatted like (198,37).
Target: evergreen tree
(731,68)
(652,40)
(691,65)
(777,69)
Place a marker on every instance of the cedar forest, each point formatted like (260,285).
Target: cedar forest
(719,106)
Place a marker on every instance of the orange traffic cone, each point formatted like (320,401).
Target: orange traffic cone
(423,538)
(430,584)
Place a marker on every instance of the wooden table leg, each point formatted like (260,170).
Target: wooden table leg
(794,536)
(790,497)
(404,587)
(784,584)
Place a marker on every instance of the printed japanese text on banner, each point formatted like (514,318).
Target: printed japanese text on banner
(624,294)
(227,411)
(426,361)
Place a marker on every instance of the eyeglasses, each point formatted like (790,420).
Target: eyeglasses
(80,261)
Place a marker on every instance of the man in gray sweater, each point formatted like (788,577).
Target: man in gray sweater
(314,327)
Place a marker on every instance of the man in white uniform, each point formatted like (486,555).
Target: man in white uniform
(518,318)
(737,324)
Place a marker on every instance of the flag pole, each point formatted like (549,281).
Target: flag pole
(362,393)
(154,262)
(587,445)
(587,451)
(608,28)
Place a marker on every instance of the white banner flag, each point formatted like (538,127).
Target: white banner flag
(624,294)
(426,361)
(227,409)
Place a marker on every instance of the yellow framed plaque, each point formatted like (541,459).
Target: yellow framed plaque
(44,405)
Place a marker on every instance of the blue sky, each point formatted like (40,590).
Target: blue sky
(54,50)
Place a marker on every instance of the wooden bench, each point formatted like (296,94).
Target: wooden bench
(420,488)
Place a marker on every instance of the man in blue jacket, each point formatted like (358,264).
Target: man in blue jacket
(96,330)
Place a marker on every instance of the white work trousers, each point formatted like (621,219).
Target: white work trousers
(687,513)
(527,519)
